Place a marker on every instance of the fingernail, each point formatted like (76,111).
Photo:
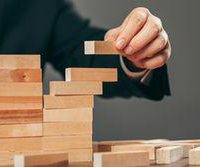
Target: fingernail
(129,50)
(120,44)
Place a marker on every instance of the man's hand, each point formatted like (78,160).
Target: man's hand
(142,39)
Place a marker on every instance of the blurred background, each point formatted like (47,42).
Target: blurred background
(176,117)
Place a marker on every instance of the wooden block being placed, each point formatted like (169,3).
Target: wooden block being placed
(20,75)
(20,89)
(168,155)
(20,61)
(100,48)
(194,156)
(59,159)
(91,74)
(67,128)
(119,159)
(21,103)
(63,143)
(75,88)
(68,102)
(21,130)
(20,116)
(68,115)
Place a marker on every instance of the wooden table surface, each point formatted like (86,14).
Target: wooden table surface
(181,163)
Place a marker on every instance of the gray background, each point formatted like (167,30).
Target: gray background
(174,117)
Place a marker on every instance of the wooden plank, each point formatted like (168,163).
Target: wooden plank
(21,130)
(100,48)
(67,128)
(20,61)
(20,116)
(20,89)
(55,143)
(168,155)
(91,74)
(20,75)
(194,156)
(58,88)
(68,115)
(21,103)
(119,159)
(68,102)
(80,155)
(59,159)
(21,144)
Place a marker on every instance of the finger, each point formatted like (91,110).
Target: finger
(147,34)
(112,34)
(134,24)
(153,48)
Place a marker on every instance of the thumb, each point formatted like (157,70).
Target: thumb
(112,34)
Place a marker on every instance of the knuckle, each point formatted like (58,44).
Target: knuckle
(162,42)
(156,28)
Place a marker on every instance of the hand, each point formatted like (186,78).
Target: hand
(142,39)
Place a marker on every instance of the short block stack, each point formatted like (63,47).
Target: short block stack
(68,111)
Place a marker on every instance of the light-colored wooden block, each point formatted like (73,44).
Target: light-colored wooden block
(21,103)
(20,75)
(194,156)
(68,115)
(20,116)
(20,89)
(68,102)
(20,61)
(21,130)
(151,148)
(168,155)
(100,48)
(91,74)
(21,144)
(58,143)
(67,128)
(58,88)
(80,155)
(119,159)
(59,159)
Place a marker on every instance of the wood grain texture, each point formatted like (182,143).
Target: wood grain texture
(58,88)
(168,155)
(100,48)
(68,102)
(55,143)
(194,156)
(68,115)
(21,130)
(20,116)
(21,103)
(119,159)
(91,74)
(20,62)
(20,75)
(80,155)
(20,89)
(67,128)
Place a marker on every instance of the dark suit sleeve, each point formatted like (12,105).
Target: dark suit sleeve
(70,32)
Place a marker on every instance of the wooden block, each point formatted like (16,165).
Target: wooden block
(194,156)
(68,115)
(67,128)
(21,144)
(58,160)
(100,48)
(21,130)
(58,88)
(20,61)
(58,143)
(80,155)
(20,89)
(91,74)
(20,116)
(119,159)
(21,103)
(20,75)
(151,148)
(168,155)
(68,102)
